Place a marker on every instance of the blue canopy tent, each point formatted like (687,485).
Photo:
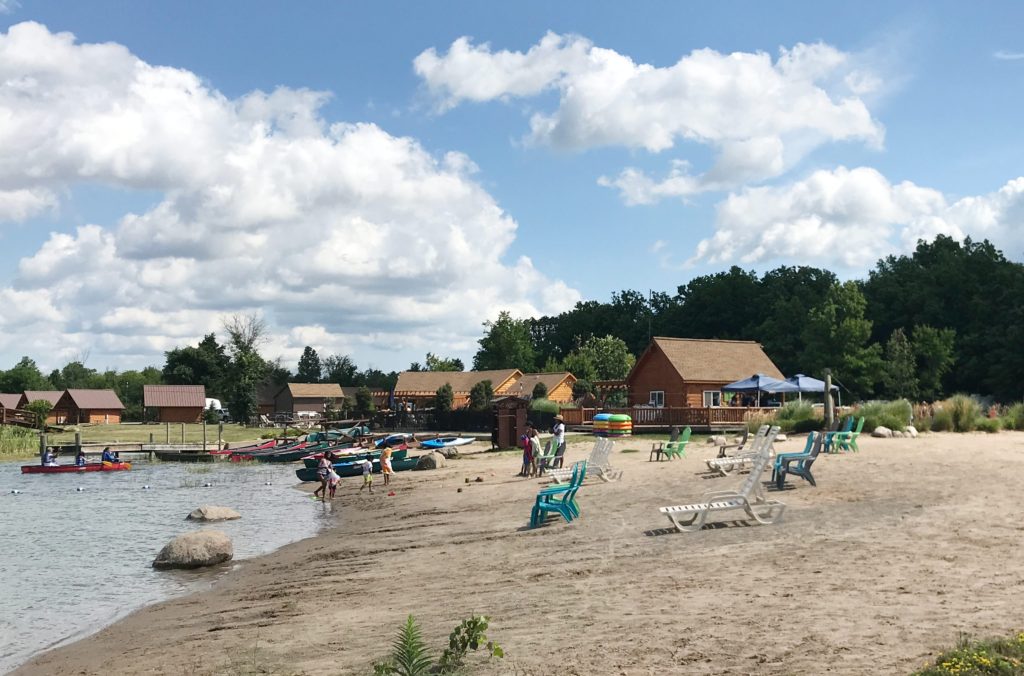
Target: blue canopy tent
(808,384)
(759,383)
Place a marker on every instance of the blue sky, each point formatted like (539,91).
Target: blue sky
(378,179)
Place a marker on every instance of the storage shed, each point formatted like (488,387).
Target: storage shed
(175,403)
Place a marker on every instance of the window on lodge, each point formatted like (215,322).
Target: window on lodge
(712,398)
(657,398)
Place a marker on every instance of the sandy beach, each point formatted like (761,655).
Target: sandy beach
(900,547)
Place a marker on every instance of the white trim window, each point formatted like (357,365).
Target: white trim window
(657,399)
(712,398)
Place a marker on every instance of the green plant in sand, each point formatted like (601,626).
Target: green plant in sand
(1003,656)
(411,657)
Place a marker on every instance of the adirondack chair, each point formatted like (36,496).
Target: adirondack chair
(830,446)
(730,463)
(657,448)
(798,464)
(847,441)
(747,497)
(738,446)
(547,459)
(820,437)
(677,449)
(559,499)
(596,463)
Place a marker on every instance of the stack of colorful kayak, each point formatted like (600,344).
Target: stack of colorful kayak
(613,425)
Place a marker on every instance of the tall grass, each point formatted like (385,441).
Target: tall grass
(964,412)
(892,414)
(1013,419)
(18,442)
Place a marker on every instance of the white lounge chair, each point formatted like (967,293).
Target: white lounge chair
(749,497)
(598,464)
(731,463)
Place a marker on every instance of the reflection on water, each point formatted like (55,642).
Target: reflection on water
(72,561)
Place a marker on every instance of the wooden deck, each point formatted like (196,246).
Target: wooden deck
(653,419)
(18,417)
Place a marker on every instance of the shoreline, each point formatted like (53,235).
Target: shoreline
(866,569)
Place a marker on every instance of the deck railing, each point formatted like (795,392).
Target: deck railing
(17,416)
(693,415)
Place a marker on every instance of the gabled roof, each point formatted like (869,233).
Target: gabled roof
(52,396)
(428,382)
(174,396)
(93,399)
(9,400)
(325,390)
(701,360)
(550,380)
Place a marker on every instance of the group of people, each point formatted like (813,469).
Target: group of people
(534,463)
(329,479)
(50,457)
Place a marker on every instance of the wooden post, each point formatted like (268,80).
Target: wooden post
(42,446)
(150,438)
(829,411)
(182,433)
(167,433)
(204,435)
(78,443)
(220,434)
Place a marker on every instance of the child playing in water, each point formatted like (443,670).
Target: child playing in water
(332,481)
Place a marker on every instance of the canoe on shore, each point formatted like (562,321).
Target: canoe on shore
(446,442)
(88,467)
(356,468)
(349,455)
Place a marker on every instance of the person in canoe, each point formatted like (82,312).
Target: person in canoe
(80,458)
(49,457)
(108,456)
(385,464)
(323,471)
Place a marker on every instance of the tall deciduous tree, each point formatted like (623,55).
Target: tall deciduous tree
(505,345)
(605,358)
(340,368)
(837,335)
(933,352)
(435,363)
(309,368)
(900,371)
(248,369)
(25,375)
(205,364)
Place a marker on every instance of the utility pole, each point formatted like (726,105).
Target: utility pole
(829,411)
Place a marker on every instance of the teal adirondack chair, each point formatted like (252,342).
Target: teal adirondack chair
(848,440)
(677,448)
(559,499)
(783,456)
(830,437)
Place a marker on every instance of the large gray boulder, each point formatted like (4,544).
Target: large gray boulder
(911,431)
(213,513)
(195,550)
(431,461)
(882,432)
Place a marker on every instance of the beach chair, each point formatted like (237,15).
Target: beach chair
(830,446)
(598,458)
(677,449)
(546,460)
(738,446)
(559,499)
(747,497)
(732,463)
(847,441)
(798,464)
(820,437)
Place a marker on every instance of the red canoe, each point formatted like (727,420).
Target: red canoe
(88,467)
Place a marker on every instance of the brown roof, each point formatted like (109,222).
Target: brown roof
(174,396)
(93,399)
(550,380)
(428,382)
(715,360)
(9,400)
(326,390)
(52,396)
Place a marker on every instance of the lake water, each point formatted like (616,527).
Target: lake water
(74,561)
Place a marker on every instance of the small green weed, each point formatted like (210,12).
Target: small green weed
(980,658)
(411,657)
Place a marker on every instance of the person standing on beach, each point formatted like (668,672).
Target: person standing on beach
(385,464)
(367,475)
(332,480)
(524,441)
(558,430)
(535,453)
(323,470)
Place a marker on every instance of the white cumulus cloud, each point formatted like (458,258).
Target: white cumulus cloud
(852,217)
(760,115)
(335,231)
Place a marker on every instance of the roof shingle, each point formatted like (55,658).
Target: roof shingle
(428,382)
(716,360)
(174,396)
(94,399)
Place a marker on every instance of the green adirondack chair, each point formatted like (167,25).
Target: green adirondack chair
(677,448)
(848,440)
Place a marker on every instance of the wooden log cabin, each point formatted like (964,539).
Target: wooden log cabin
(175,403)
(96,407)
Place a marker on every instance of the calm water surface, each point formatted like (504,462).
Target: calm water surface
(74,561)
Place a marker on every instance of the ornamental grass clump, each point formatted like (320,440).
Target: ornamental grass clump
(892,414)
(964,412)
(990,425)
(18,441)
(980,658)
(1013,419)
(793,414)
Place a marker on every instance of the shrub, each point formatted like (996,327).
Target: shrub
(892,414)
(965,412)
(410,656)
(18,441)
(990,425)
(1000,656)
(545,406)
(808,425)
(1014,417)
(942,421)
(540,391)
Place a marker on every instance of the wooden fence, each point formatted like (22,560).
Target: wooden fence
(17,416)
(666,417)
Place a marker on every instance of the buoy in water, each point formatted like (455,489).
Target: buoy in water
(15,491)
(207,485)
(79,489)
(146,487)
(266,483)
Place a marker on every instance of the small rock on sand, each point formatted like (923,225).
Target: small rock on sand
(717,440)
(911,431)
(213,513)
(195,550)
(882,432)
